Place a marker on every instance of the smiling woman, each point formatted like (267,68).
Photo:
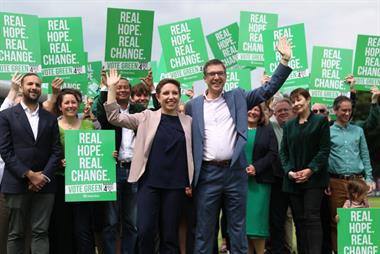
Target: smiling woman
(162,163)
(304,154)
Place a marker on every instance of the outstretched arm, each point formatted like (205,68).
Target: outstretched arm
(278,78)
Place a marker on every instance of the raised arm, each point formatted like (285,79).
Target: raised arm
(278,78)
(49,104)
(130,121)
(12,94)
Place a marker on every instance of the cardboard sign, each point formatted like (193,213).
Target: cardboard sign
(252,26)
(296,36)
(184,49)
(94,75)
(359,230)
(62,52)
(367,62)
(329,68)
(224,43)
(129,41)
(238,78)
(19,45)
(90,173)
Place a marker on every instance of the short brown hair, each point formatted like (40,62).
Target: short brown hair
(28,75)
(212,62)
(166,81)
(77,94)
(139,89)
(299,92)
(338,100)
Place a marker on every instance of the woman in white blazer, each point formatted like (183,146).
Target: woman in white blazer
(162,163)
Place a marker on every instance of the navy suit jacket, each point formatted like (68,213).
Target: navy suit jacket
(238,102)
(264,153)
(21,152)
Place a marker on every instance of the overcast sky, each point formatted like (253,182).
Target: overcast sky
(327,23)
(333,23)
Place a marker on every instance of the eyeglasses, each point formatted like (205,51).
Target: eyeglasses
(219,73)
(322,111)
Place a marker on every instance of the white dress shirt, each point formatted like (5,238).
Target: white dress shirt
(33,118)
(127,141)
(220,130)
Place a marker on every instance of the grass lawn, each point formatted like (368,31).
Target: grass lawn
(373,202)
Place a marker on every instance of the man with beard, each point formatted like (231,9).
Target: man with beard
(30,148)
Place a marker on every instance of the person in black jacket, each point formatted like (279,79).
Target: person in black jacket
(261,150)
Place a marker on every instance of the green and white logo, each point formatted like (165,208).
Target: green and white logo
(90,173)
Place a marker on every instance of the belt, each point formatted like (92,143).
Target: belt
(346,177)
(124,164)
(222,164)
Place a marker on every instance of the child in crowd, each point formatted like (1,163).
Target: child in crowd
(357,190)
(357,195)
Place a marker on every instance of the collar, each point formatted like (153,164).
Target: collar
(210,100)
(125,110)
(342,127)
(26,109)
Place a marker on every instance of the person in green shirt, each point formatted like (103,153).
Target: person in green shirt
(304,153)
(349,158)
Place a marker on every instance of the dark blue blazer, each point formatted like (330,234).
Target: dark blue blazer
(238,102)
(21,152)
(264,153)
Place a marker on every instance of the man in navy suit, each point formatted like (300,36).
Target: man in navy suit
(30,148)
(219,134)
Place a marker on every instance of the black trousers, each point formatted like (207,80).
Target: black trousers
(159,209)
(306,214)
(279,204)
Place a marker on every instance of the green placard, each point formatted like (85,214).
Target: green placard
(359,230)
(184,49)
(129,41)
(367,62)
(94,75)
(251,48)
(238,78)
(19,45)
(62,52)
(296,36)
(329,68)
(224,43)
(154,67)
(184,88)
(90,173)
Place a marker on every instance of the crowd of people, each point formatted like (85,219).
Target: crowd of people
(259,156)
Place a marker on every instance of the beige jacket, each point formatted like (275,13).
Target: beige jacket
(146,124)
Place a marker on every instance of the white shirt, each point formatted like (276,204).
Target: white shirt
(33,118)
(127,141)
(220,130)
(7,103)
